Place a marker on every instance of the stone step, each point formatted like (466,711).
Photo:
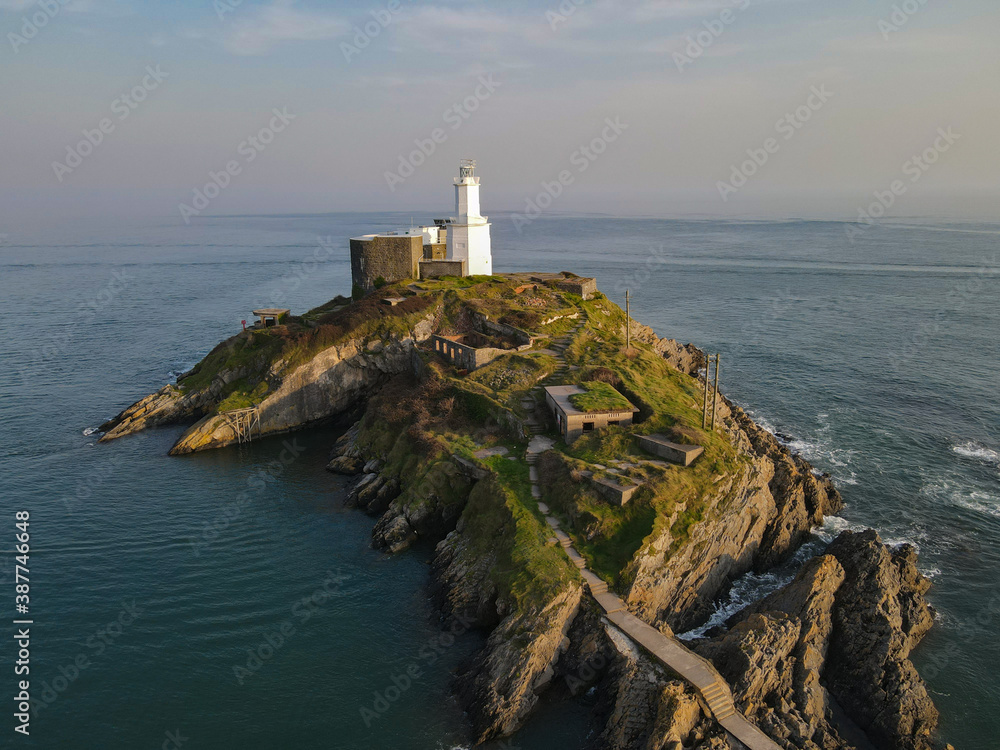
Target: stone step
(722,715)
(544,508)
(610,603)
(595,584)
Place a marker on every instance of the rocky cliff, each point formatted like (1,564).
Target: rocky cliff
(827,657)
(754,518)
(258,369)
(439,455)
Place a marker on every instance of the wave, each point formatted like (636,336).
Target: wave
(91,430)
(958,493)
(819,449)
(751,588)
(972,449)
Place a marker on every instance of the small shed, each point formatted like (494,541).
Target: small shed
(573,422)
(270,316)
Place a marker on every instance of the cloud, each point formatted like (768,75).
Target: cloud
(281,22)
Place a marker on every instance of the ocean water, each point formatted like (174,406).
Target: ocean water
(230,599)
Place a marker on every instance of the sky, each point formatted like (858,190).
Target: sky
(747,108)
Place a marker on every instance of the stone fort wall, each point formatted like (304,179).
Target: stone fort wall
(391,258)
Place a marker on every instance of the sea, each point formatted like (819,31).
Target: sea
(229,600)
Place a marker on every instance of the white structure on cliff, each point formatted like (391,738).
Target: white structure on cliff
(468,230)
(457,246)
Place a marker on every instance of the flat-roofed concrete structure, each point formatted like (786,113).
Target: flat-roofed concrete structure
(664,447)
(572,422)
(270,316)
(466,352)
(585,287)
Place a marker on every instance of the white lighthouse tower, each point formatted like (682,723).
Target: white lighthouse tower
(468,231)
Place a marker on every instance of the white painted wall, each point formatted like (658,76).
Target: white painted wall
(469,234)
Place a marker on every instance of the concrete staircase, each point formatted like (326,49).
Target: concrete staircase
(697,670)
(538,420)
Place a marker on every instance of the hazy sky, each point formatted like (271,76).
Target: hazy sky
(692,85)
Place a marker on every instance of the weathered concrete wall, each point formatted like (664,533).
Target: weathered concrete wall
(464,356)
(392,258)
(586,288)
(432,269)
(523,338)
(436,251)
(676,453)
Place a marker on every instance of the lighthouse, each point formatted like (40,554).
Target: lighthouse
(468,231)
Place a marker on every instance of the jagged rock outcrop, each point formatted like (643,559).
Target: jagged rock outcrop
(518,662)
(880,615)
(169,405)
(429,507)
(687,358)
(846,625)
(336,380)
(755,518)
(651,709)
(501,685)
(774,654)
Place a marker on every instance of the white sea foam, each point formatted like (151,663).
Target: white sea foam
(980,502)
(819,448)
(972,449)
(961,495)
(751,588)
(90,430)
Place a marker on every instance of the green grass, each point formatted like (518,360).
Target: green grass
(528,570)
(608,536)
(599,397)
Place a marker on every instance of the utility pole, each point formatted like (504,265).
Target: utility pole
(715,394)
(708,384)
(628,321)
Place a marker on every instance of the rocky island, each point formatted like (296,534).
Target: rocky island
(580,556)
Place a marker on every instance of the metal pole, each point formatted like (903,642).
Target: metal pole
(708,382)
(715,394)
(628,321)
